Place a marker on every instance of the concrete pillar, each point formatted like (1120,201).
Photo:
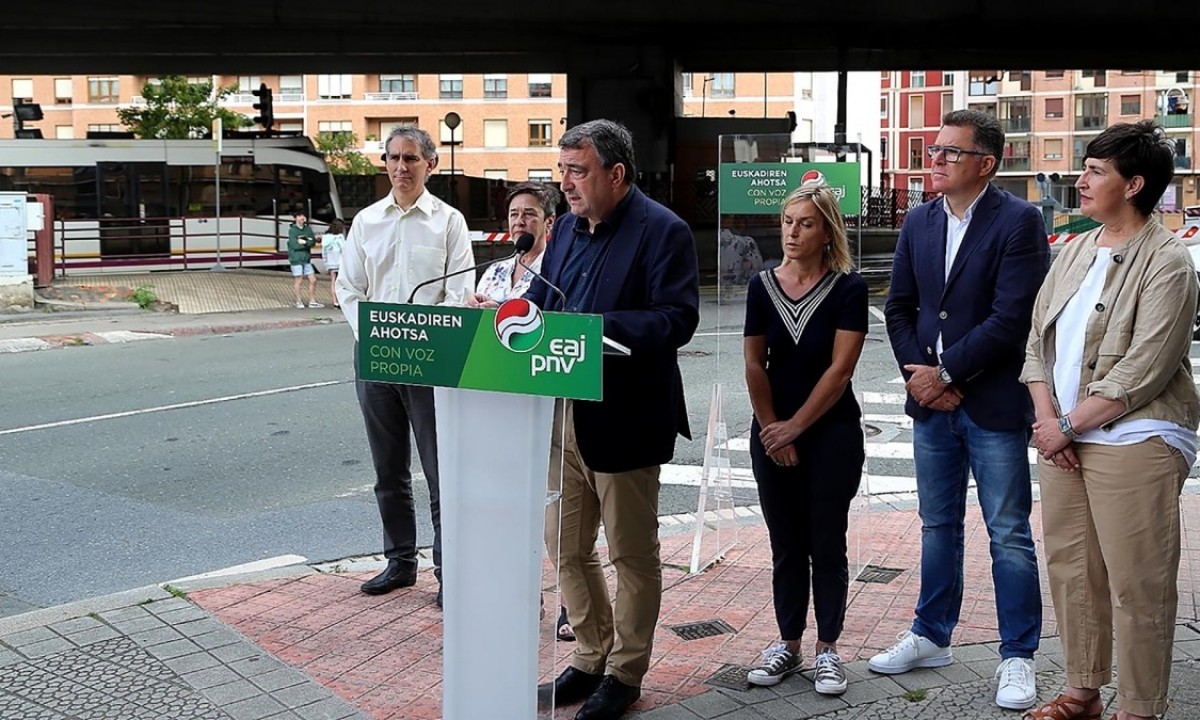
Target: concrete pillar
(639,87)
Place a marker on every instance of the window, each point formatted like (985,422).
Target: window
(1181,76)
(1090,112)
(450,87)
(539,133)
(446,136)
(496,174)
(1099,76)
(1015,114)
(63,91)
(982,85)
(685,80)
(539,85)
(722,86)
(1015,156)
(883,143)
(947,103)
(1054,107)
(1025,77)
(290,125)
(495,133)
(916,79)
(335,127)
(1051,74)
(987,108)
(916,154)
(398,84)
(64,132)
(495,86)
(948,79)
(333,87)
(916,111)
(103,90)
(291,86)
(246,83)
(883,106)
(22,89)
(1131,104)
(104,127)
(540,175)
(1053,149)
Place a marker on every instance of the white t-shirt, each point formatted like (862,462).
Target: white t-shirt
(331,249)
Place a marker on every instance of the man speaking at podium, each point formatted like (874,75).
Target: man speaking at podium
(623,256)
(406,238)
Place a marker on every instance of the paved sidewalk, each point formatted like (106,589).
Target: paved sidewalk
(304,643)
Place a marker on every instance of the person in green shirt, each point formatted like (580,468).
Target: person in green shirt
(300,244)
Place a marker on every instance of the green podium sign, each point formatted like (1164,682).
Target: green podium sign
(759,188)
(515,348)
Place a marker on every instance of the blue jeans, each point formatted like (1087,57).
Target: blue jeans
(945,447)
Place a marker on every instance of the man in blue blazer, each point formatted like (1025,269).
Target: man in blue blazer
(966,271)
(624,256)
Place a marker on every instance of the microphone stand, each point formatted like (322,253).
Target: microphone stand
(439,278)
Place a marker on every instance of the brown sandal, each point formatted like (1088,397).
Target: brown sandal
(1065,707)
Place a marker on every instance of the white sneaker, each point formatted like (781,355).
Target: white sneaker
(299,305)
(315,304)
(778,664)
(911,651)
(1018,684)
(829,678)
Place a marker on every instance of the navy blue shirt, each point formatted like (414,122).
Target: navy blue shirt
(581,269)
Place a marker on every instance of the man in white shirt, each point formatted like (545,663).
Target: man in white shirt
(406,238)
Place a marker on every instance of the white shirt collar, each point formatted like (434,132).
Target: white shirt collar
(966,218)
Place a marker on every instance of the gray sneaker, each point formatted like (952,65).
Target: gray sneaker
(778,664)
(829,678)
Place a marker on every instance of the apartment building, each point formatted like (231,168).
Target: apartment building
(1049,117)
(510,123)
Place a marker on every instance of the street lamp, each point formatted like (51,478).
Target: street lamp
(452,121)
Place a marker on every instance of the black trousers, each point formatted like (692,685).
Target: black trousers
(807,511)
(388,412)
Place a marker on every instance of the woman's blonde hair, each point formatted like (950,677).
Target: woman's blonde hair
(838,256)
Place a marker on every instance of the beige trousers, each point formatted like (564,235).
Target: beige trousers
(613,642)
(1112,551)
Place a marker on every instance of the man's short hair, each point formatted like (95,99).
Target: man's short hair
(418,136)
(611,140)
(986,132)
(546,195)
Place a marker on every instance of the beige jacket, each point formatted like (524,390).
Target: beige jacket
(1136,344)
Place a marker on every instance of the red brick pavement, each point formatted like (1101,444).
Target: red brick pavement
(383,654)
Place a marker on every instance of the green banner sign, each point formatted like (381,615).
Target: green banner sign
(515,348)
(759,188)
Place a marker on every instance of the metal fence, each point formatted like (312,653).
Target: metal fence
(886,207)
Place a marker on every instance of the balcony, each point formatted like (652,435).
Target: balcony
(1014,164)
(390,96)
(1015,125)
(1183,162)
(1089,122)
(1182,120)
(283,96)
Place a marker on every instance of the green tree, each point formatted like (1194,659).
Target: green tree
(342,155)
(176,109)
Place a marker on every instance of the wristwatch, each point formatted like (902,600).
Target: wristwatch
(1064,427)
(943,375)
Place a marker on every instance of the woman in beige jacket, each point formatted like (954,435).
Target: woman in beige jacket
(1107,366)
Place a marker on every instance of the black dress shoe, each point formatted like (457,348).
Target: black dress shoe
(569,688)
(439,602)
(393,577)
(610,701)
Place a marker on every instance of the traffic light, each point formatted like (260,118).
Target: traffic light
(264,106)
(26,112)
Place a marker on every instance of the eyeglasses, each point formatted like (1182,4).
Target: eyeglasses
(953,154)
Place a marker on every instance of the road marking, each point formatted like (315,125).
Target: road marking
(896,381)
(175,406)
(17,345)
(877,313)
(717,334)
(124,336)
(878,398)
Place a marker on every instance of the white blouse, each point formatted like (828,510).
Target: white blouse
(497,283)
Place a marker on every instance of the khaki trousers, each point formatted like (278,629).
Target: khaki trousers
(1112,551)
(613,642)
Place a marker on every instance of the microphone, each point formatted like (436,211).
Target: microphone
(480,266)
(524,244)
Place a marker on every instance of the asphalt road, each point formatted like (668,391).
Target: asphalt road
(125,465)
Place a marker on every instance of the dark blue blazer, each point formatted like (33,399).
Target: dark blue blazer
(649,294)
(982,309)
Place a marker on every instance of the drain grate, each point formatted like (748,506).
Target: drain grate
(876,574)
(702,629)
(730,677)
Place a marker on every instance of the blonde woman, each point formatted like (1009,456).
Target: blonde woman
(806,321)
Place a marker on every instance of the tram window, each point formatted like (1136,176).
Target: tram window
(316,186)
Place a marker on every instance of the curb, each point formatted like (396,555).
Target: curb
(83,339)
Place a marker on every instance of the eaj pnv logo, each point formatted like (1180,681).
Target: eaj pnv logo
(519,325)
(812,176)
